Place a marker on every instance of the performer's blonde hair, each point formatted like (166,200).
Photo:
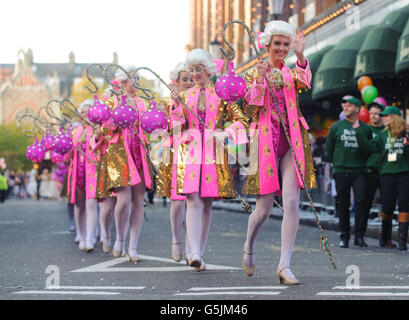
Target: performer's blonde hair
(84,104)
(201,56)
(398,126)
(276,28)
(181,66)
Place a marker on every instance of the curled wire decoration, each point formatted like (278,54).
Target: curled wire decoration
(95,90)
(147,93)
(323,238)
(28,133)
(233,51)
(73,109)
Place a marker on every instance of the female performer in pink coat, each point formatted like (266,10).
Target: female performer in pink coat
(127,170)
(203,172)
(82,181)
(273,155)
(166,180)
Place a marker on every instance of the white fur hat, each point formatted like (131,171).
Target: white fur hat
(131,69)
(181,66)
(84,104)
(201,56)
(276,28)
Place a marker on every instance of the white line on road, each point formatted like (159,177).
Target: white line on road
(12,222)
(372,287)
(107,266)
(265,293)
(93,288)
(365,294)
(68,292)
(235,288)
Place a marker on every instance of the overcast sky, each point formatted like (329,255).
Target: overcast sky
(150,33)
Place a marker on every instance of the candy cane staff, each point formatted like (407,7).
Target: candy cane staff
(274,156)
(202,173)
(166,179)
(81,182)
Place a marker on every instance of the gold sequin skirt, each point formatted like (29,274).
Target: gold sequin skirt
(113,170)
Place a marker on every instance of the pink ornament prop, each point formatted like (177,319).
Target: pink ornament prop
(36,152)
(153,119)
(124,115)
(56,157)
(230,87)
(219,63)
(48,141)
(63,142)
(98,113)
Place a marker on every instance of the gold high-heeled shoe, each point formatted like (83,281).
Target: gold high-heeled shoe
(248,270)
(202,267)
(134,258)
(117,253)
(196,261)
(281,278)
(177,256)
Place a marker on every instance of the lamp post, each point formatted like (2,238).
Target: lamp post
(276,8)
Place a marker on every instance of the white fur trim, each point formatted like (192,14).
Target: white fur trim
(84,104)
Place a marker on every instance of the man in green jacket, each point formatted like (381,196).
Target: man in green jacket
(3,187)
(348,149)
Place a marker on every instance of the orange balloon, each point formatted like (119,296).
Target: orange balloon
(363,82)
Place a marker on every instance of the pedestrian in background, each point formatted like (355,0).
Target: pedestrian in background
(3,187)
(348,148)
(394,175)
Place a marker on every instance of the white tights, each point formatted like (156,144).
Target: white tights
(177,212)
(264,204)
(198,220)
(129,218)
(105,218)
(86,217)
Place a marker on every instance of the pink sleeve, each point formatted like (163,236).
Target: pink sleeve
(177,115)
(255,95)
(304,74)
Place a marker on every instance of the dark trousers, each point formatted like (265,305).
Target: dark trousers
(343,184)
(372,184)
(395,187)
(3,195)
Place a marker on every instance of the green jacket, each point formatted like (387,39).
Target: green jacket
(348,148)
(374,160)
(3,183)
(385,144)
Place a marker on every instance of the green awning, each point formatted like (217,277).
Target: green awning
(377,55)
(402,57)
(336,70)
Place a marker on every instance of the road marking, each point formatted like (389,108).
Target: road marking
(12,222)
(372,287)
(365,294)
(68,292)
(107,266)
(264,293)
(236,288)
(94,288)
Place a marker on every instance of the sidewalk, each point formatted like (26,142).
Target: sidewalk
(327,221)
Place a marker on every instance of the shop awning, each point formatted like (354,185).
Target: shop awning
(336,70)
(402,56)
(377,56)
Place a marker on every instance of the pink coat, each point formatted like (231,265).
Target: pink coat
(90,166)
(258,95)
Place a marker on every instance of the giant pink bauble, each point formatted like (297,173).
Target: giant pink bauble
(63,142)
(48,141)
(36,152)
(153,119)
(230,87)
(56,157)
(98,113)
(124,115)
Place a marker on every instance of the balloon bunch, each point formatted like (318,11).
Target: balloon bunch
(369,95)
